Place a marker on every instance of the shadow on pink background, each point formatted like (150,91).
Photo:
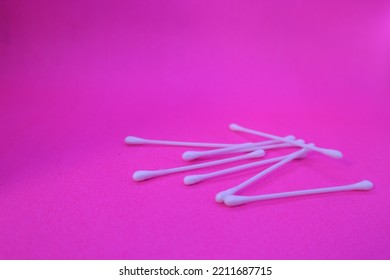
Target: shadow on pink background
(76,77)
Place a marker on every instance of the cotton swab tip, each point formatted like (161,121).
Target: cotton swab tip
(290,137)
(192,179)
(257,154)
(142,175)
(333,153)
(234,127)
(189,155)
(234,200)
(132,140)
(364,185)
(220,197)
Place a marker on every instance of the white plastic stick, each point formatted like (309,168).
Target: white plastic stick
(328,152)
(254,148)
(274,146)
(220,197)
(132,140)
(142,175)
(193,179)
(235,200)
(238,148)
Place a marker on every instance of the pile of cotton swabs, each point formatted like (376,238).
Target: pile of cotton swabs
(252,150)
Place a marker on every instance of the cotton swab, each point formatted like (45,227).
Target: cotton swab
(220,197)
(328,152)
(142,175)
(193,179)
(235,200)
(132,140)
(238,148)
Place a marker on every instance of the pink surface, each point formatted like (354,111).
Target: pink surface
(76,77)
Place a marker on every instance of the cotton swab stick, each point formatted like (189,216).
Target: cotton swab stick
(235,200)
(191,155)
(245,147)
(193,179)
(328,152)
(274,146)
(142,175)
(220,197)
(132,140)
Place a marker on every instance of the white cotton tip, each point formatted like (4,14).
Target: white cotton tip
(257,154)
(234,200)
(234,127)
(333,153)
(190,155)
(364,185)
(303,155)
(290,137)
(132,140)
(220,197)
(192,179)
(142,175)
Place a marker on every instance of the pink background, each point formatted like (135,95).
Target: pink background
(76,77)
